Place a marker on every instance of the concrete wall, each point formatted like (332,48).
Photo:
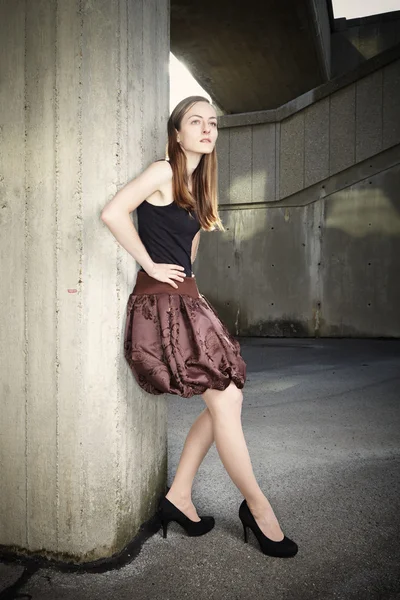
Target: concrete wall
(322,26)
(310,201)
(83,108)
(354,41)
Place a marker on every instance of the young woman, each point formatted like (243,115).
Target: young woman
(174,340)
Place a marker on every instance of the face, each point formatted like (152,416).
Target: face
(199,123)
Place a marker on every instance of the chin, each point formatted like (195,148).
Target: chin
(207,150)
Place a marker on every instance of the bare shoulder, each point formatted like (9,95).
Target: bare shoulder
(158,175)
(158,172)
(151,180)
(163,194)
(163,168)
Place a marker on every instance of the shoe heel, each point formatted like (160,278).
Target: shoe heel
(165,527)
(169,512)
(245,533)
(284,548)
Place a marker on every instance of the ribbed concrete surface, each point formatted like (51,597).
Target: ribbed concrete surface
(322,422)
(84,106)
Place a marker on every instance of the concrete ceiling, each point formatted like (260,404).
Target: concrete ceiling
(248,55)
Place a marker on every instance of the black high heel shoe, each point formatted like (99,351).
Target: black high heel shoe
(284,549)
(169,512)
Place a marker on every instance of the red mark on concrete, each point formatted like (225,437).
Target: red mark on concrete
(71,291)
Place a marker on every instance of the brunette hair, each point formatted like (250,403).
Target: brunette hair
(204,199)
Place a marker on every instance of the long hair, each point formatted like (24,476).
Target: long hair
(204,197)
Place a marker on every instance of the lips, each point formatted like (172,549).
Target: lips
(206,140)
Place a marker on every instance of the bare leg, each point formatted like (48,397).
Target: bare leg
(226,408)
(198,442)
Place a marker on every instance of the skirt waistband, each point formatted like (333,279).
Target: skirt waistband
(148,285)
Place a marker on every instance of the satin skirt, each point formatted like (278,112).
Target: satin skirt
(175,343)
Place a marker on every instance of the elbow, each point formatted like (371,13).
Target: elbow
(106,216)
(109,215)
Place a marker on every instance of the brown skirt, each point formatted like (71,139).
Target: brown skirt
(175,343)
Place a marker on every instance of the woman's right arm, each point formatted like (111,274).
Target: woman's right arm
(116,215)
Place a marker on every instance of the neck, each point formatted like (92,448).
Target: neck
(192,161)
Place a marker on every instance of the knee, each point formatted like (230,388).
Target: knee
(235,394)
(220,403)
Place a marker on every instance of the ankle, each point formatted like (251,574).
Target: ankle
(183,496)
(258,506)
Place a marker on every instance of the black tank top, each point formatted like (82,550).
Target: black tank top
(167,233)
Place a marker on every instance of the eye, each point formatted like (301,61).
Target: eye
(213,123)
(195,121)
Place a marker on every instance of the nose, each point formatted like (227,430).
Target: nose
(206,127)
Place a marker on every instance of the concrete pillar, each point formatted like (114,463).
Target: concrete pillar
(83,108)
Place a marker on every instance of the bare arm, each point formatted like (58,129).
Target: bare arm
(116,215)
(195,246)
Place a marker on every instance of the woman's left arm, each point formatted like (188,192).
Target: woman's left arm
(195,245)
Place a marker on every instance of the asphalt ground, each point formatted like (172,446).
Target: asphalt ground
(322,422)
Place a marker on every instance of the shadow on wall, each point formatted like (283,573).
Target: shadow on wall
(329,268)
(356,41)
(344,54)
